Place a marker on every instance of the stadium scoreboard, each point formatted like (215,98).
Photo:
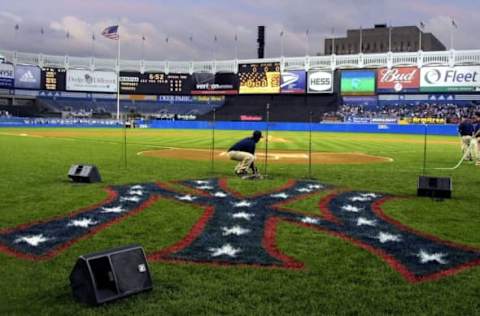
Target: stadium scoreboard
(259,78)
(155,83)
(53,79)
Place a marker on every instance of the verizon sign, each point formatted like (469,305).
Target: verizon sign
(91,81)
(450,79)
(396,80)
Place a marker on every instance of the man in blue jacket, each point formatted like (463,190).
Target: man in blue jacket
(476,135)
(244,152)
(466,129)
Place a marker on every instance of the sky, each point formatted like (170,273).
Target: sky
(191,26)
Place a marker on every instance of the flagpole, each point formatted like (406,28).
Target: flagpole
(390,38)
(118,78)
(236,46)
(333,41)
(420,39)
(360,49)
(307,47)
(452,27)
(281,43)
(451,37)
(17,28)
(93,45)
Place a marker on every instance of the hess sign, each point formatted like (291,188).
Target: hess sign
(320,81)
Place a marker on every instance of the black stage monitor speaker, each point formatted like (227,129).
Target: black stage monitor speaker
(106,276)
(84,173)
(435,187)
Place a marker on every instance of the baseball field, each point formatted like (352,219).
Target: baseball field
(311,254)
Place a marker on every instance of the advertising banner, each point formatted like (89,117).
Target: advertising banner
(92,81)
(396,80)
(450,79)
(320,81)
(155,83)
(219,83)
(209,99)
(367,101)
(293,82)
(7,76)
(251,118)
(53,79)
(262,78)
(27,77)
(357,82)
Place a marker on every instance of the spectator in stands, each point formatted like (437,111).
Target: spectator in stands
(446,113)
(244,152)
(466,129)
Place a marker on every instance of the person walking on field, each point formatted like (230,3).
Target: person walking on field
(466,129)
(476,135)
(244,152)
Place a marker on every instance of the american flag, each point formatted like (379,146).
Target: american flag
(454,24)
(111,32)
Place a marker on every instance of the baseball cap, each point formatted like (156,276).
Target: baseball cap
(257,135)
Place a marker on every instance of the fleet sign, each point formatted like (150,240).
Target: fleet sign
(450,79)
(396,80)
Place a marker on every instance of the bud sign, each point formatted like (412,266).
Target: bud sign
(398,80)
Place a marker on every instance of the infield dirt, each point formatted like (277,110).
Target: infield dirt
(286,157)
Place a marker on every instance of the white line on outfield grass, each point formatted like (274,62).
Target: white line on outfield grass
(140,153)
(58,137)
(21,135)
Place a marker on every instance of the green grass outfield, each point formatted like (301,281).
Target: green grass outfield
(339,278)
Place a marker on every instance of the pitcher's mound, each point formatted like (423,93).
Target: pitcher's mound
(297,157)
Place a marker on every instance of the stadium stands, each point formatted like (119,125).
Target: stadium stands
(74,105)
(285,108)
(442,113)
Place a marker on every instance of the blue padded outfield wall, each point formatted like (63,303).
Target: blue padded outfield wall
(447,129)
(432,129)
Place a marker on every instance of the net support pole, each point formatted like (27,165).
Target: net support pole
(424,150)
(212,154)
(118,108)
(267,120)
(310,146)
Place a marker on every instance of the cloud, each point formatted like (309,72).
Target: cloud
(202,20)
(6,16)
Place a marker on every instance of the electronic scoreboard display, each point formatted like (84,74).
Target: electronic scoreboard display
(259,78)
(53,79)
(155,83)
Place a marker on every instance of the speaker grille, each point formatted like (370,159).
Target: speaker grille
(131,270)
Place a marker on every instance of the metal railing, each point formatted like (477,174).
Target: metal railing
(418,59)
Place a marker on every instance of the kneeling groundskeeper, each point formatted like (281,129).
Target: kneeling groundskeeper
(244,152)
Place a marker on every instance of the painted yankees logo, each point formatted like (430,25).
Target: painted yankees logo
(240,230)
